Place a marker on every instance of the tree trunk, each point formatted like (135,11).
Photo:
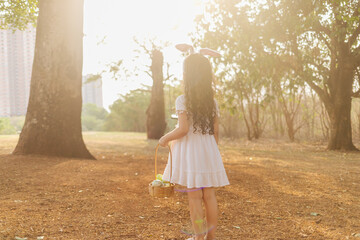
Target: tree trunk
(312,125)
(257,123)
(340,126)
(289,110)
(248,133)
(340,111)
(53,120)
(358,134)
(290,126)
(274,120)
(324,122)
(155,121)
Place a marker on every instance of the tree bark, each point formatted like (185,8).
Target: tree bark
(155,122)
(273,118)
(53,120)
(358,133)
(248,132)
(339,109)
(324,122)
(340,129)
(290,126)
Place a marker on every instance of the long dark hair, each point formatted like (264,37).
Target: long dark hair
(199,95)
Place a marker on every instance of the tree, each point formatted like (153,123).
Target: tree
(322,46)
(289,96)
(128,112)
(318,40)
(93,117)
(6,127)
(155,121)
(245,85)
(18,14)
(155,113)
(53,120)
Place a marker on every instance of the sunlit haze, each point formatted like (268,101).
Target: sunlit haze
(111,25)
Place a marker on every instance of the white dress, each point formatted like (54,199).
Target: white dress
(196,160)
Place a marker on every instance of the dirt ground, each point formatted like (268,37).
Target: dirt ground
(278,190)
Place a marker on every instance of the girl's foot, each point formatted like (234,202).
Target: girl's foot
(197,238)
(209,238)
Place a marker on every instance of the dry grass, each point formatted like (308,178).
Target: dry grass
(278,190)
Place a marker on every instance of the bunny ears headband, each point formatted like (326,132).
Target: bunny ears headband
(204,51)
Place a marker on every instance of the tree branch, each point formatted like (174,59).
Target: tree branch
(356,57)
(356,94)
(326,42)
(354,36)
(300,126)
(149,74)
(317,27)
(356,13)
(320,67)
(317,89)
(298,105)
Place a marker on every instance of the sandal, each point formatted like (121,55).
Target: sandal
(209,239)
(193,238)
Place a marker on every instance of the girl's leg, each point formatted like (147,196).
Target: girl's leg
(211,210)
(196,212)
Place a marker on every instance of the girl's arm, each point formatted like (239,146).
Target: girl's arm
(178,132)
(216,129)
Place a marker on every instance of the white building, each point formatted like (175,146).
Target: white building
(16,58)
(92,92)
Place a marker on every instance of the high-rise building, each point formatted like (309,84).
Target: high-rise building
(16,59)
(92,92)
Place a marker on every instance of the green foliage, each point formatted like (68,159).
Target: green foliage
(128,113)
(18,14)
(272,48)
(246,67)
(260,39)
(93,117)
(93,78)
(17,122)
(5,127)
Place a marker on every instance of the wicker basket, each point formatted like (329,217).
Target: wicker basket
(162,191)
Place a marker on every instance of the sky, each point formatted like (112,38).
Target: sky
(111,25)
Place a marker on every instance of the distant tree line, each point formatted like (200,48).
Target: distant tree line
(288,67)
(277,55)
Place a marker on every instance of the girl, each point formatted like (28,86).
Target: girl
(197,163)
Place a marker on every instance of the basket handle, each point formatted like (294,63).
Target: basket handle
(157,147)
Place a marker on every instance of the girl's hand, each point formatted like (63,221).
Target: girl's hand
(163,142)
